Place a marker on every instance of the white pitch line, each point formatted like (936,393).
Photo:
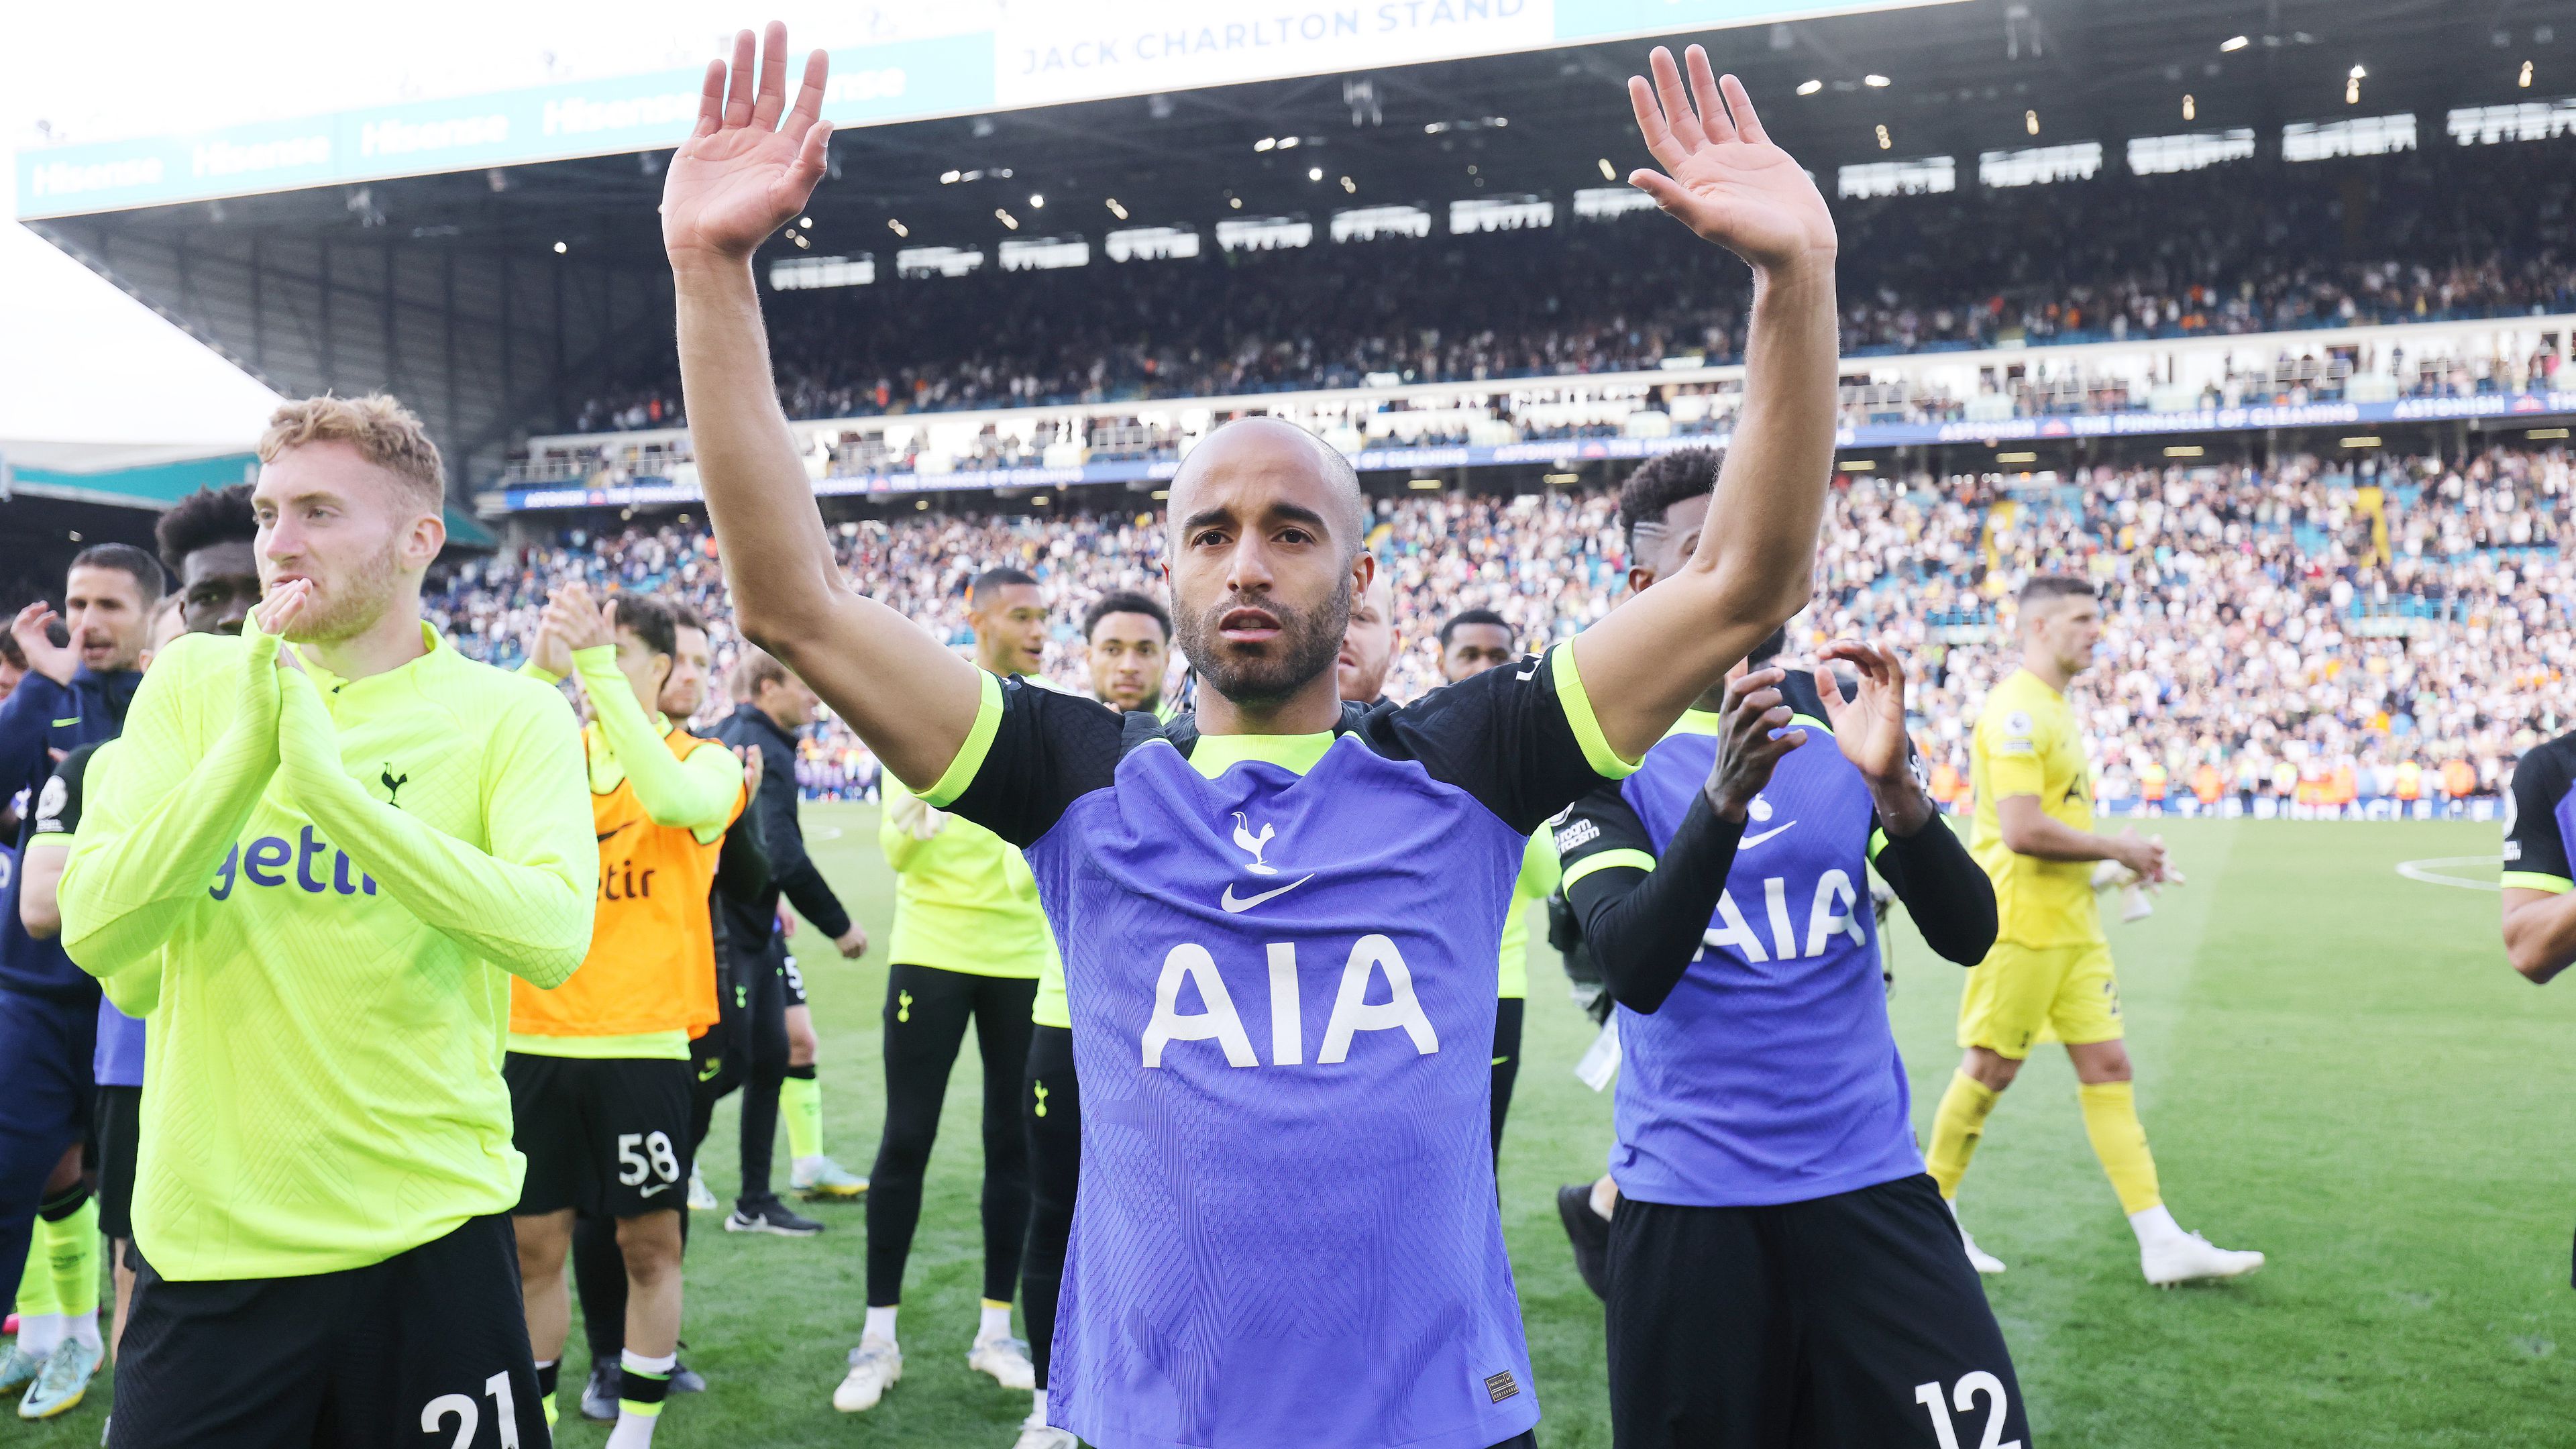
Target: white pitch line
(826,832)
(2423,870)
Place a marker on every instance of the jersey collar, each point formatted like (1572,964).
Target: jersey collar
(1212,755)
(431,647)
(2023,671)
(1296,754)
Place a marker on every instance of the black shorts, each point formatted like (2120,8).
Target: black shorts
(118,1125)
(1846,1320)
(605,1136)
(427,1347)
(714,1060)
(788,973)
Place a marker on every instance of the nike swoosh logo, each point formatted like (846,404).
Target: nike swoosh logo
(1236,907)
(606,834)
(657,1187)
(1750,841)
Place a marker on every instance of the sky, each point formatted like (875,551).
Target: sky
(83,363)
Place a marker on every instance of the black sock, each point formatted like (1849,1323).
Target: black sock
(642,1389)
(547,1377)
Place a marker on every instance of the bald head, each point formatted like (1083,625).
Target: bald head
(1276,454)
(1266,525)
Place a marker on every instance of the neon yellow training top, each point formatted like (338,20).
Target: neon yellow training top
(964,900)
(1539,874)
(313,888)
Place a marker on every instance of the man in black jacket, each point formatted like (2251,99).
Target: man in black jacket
(770,705)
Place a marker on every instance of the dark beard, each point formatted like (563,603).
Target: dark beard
(1309,644)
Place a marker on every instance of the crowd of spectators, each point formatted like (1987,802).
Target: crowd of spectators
(2295,375)
(2311,632)
(2236,248)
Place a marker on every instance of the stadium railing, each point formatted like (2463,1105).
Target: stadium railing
(2355,376)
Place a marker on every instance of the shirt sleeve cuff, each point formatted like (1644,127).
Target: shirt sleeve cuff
(1568,680)
(540,673)
(970,756)
(596,659)
(1607,860)
(2526,880)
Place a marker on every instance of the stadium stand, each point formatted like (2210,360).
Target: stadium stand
(2318,632)
(2229,249)
(2387,373)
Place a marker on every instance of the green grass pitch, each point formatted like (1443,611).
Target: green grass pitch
(2334,1065)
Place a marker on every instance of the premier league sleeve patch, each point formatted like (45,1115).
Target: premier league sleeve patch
(49,806)
(2013,734)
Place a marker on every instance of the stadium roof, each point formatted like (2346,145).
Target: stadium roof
(152,477)
(957,59)
(486,297)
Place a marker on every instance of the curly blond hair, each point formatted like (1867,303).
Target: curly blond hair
(383,431)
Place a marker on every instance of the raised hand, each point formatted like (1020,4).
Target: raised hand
(1752,735)
(1722,177)
(278,612)
(546,647)
(1871,727)
(573,623)
(54,661)
(741,175)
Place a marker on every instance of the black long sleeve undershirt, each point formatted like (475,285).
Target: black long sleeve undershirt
(1948,894)
(1645,927)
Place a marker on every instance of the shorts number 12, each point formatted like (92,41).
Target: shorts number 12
(1965,1396)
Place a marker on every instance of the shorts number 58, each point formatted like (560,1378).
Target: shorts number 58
(1965,1396)
(633,1167)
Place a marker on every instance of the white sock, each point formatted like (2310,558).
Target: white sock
(634,1430)
(84,1329)
(880,1324)
(2154,1225)
(39,1334)
(996,1323)
(1037,1415)
(811,1165)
